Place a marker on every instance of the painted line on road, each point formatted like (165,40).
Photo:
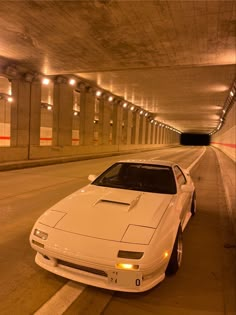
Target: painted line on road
(62,299)
(226,179)
(195,162)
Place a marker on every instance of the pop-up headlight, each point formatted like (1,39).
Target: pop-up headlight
(137,234)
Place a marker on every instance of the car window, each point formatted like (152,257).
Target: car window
(142,177)
(179,176)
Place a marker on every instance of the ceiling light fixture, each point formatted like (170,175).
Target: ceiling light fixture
(45,81)
(98,93)
(6,97)
(72,81)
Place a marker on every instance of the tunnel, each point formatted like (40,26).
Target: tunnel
(84,86)
(195,139)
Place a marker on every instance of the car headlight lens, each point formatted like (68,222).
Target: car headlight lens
(41,234)
(127,266)
(129,254)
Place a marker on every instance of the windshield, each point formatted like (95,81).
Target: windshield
(141,177)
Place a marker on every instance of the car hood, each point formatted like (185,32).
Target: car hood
(106,213)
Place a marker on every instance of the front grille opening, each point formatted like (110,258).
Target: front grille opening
(82,268)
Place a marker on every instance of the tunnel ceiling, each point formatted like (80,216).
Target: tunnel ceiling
(175,59)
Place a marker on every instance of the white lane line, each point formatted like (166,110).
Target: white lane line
(62,299)
(226,180)
(195,162)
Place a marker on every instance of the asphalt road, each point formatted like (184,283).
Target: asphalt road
(205,284)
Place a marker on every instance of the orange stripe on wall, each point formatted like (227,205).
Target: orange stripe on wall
(48,139)
(231,145)
(5,138)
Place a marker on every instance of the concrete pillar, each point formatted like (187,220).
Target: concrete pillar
(104,121)
(127,116)
(161,135)
(168,136)
(156,133)
(5,122)
(171,136)
(135,129)
(62,114)
(165,135)
(142,130)
(117,123)
(87,103)
(20,113)
(35,112)
(148,132)
(153,129)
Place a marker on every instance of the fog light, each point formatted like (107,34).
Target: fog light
(127,266)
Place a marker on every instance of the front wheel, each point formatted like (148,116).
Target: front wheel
(177,253)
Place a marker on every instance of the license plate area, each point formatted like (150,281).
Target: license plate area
(125,278)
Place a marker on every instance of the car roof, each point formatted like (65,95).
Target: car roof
(150,162)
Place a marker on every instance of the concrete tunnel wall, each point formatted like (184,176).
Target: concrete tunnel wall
(25,132)
(104,126)
(225,138)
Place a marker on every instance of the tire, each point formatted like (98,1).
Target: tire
(193,204)
(176,255)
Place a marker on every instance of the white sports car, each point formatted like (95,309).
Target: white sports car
(123,231)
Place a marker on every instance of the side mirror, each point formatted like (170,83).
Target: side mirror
(92,177)
(186,188)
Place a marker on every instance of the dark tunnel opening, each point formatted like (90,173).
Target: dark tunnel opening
(195,139)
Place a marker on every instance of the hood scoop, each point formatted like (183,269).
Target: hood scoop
(114,201)
(126,199)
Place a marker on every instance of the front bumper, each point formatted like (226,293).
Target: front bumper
(93,261)
(101,276)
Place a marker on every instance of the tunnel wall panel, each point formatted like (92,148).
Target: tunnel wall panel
(225,138)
